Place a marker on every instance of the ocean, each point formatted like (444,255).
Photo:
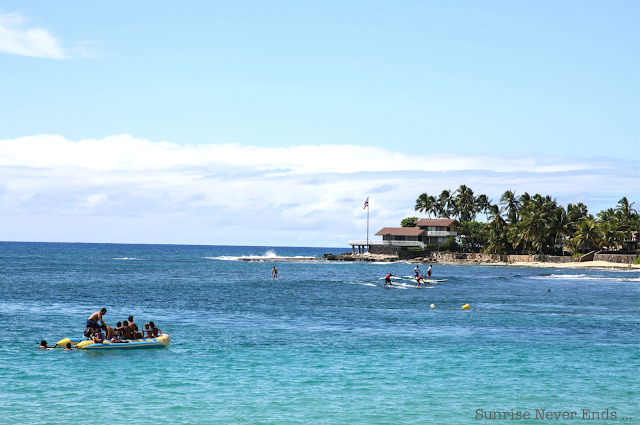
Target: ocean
(323,344)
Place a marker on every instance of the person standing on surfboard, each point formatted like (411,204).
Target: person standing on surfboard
(429,273)
(274,273)
(419,279)
(417,271)
(387,279)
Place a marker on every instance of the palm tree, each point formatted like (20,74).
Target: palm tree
(497,240)
(444,204)
(524,198)
(560,225)
(465,203)
(532,230)
(549,204)
(587,233)
(482,204)
(606,215)
(494,213)
(611,237)
(512,204)
(576,212)
(538,200)
(425,203)
(625,209)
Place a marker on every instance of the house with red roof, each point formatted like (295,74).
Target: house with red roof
(426,232)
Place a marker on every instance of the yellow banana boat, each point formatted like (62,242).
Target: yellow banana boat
(161,341)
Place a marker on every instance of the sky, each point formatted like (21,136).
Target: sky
(270,123)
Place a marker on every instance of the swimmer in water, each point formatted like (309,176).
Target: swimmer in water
(44,346)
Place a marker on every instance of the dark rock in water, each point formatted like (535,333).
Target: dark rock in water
(342,257)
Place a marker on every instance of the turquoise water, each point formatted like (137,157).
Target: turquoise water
(325,343)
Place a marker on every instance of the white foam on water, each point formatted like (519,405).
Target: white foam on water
(362,283)
(584,277)
(124,258)
(268,256)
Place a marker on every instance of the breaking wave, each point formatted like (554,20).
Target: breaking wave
(585,277)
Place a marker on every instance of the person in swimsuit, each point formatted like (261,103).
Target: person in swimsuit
(92,321)
(68,347)
(429,273)
(147,330)
(127,331)
(274,273)
(118,330)
(387,279)
(154,331)
(417,271)
(136,333)
(97,337)
(43,345)
(111,333)
(133,325)
(419,279)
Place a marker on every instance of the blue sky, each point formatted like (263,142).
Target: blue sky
(425,85)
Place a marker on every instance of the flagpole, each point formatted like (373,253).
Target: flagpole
(368,248)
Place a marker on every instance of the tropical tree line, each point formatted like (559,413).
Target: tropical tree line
(529,224)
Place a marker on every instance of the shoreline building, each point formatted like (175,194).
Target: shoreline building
(427,231)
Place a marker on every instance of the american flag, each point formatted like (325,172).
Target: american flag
(366,203)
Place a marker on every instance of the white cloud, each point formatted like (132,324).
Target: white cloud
(126,189)
(18,39)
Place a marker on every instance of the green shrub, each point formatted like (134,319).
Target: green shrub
(637,260)
(449,246)
(409,222)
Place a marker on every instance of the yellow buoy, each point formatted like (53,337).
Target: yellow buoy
(465,307)
(433,306)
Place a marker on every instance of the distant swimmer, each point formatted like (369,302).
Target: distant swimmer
(274,273)
(417,271)
(44,346)
(429,272)
(92,321)
(387,279)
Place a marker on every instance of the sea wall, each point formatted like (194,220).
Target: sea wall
(398,254)
(472,257)
(386,250)
(615,258)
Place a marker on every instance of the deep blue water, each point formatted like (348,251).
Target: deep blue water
(325,343)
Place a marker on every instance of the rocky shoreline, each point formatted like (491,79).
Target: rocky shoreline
(477,258)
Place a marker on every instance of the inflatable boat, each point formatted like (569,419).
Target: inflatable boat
(161,341)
